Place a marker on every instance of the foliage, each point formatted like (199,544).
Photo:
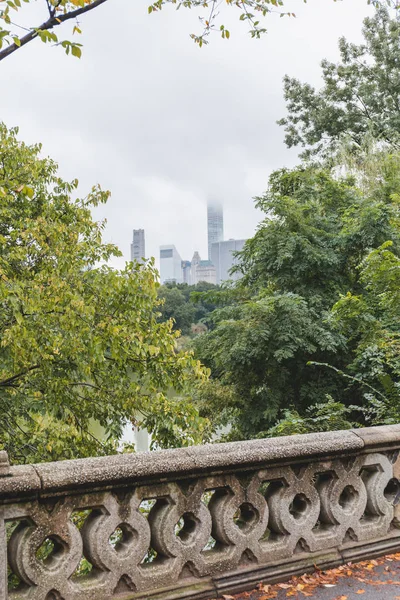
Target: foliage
(372,321)
(177,308)
(318,228)
(58,12)
(326,416)
(81,346)
(186,304)
(360,95)
(259,350)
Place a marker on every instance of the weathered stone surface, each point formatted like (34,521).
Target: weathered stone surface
(198,522)
(4,464)
(190,462)
(385,437)
(19,481)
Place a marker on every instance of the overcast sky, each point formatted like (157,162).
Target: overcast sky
(165,125)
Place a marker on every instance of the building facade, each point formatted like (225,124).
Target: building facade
(187,272)
(194,264)
(222,257)
(170,265)
(206,272)
(215,224)
(202,270)
(138,248)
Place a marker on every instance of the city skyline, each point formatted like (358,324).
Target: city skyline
(144,152)
(221,259)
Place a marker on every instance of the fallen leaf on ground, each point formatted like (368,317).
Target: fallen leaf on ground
(308,584)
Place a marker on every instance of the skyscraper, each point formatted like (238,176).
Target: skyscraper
(138,251)
(186,271)
(222,256)
(215,224)
(170,265)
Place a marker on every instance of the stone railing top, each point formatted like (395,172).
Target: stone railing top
(102,472)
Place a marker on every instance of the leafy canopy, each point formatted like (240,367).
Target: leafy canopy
(371,320)
(81,347)
(359,96)
(186,305)
(317,229)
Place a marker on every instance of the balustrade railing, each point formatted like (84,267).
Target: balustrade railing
(197,522)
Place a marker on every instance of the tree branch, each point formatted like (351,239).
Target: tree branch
(10,380)
(52,22)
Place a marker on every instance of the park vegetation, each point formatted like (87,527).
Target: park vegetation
(307,340)
(82,348)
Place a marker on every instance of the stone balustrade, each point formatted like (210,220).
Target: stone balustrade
(198,522)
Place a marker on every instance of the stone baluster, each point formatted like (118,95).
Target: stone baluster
(197,522)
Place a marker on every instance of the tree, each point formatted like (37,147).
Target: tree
(58,12)
(318,228)
(176,307)
(81,343)
(359,98)
(187,305)
(371,320)
(258,350)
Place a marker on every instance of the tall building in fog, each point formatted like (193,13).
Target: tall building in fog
(138,250)
(215,224)
(170,265)
(222,257)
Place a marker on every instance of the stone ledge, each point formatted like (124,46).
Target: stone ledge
(194,461)
(20,481)
(185,463)
(385,437)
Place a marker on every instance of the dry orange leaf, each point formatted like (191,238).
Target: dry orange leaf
(360,592)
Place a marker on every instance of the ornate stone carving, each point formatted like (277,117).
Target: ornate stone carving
(138,538)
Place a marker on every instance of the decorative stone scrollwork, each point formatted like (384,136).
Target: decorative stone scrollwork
(40,578)
(133,539)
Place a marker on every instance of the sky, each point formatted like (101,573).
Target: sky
(164,125)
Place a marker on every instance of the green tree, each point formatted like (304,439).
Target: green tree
(359,97)
(371,321)
(318,228)
(187,305)
(175,306)
(81,344)
(325,416)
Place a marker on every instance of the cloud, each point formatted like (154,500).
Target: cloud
(166,125)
